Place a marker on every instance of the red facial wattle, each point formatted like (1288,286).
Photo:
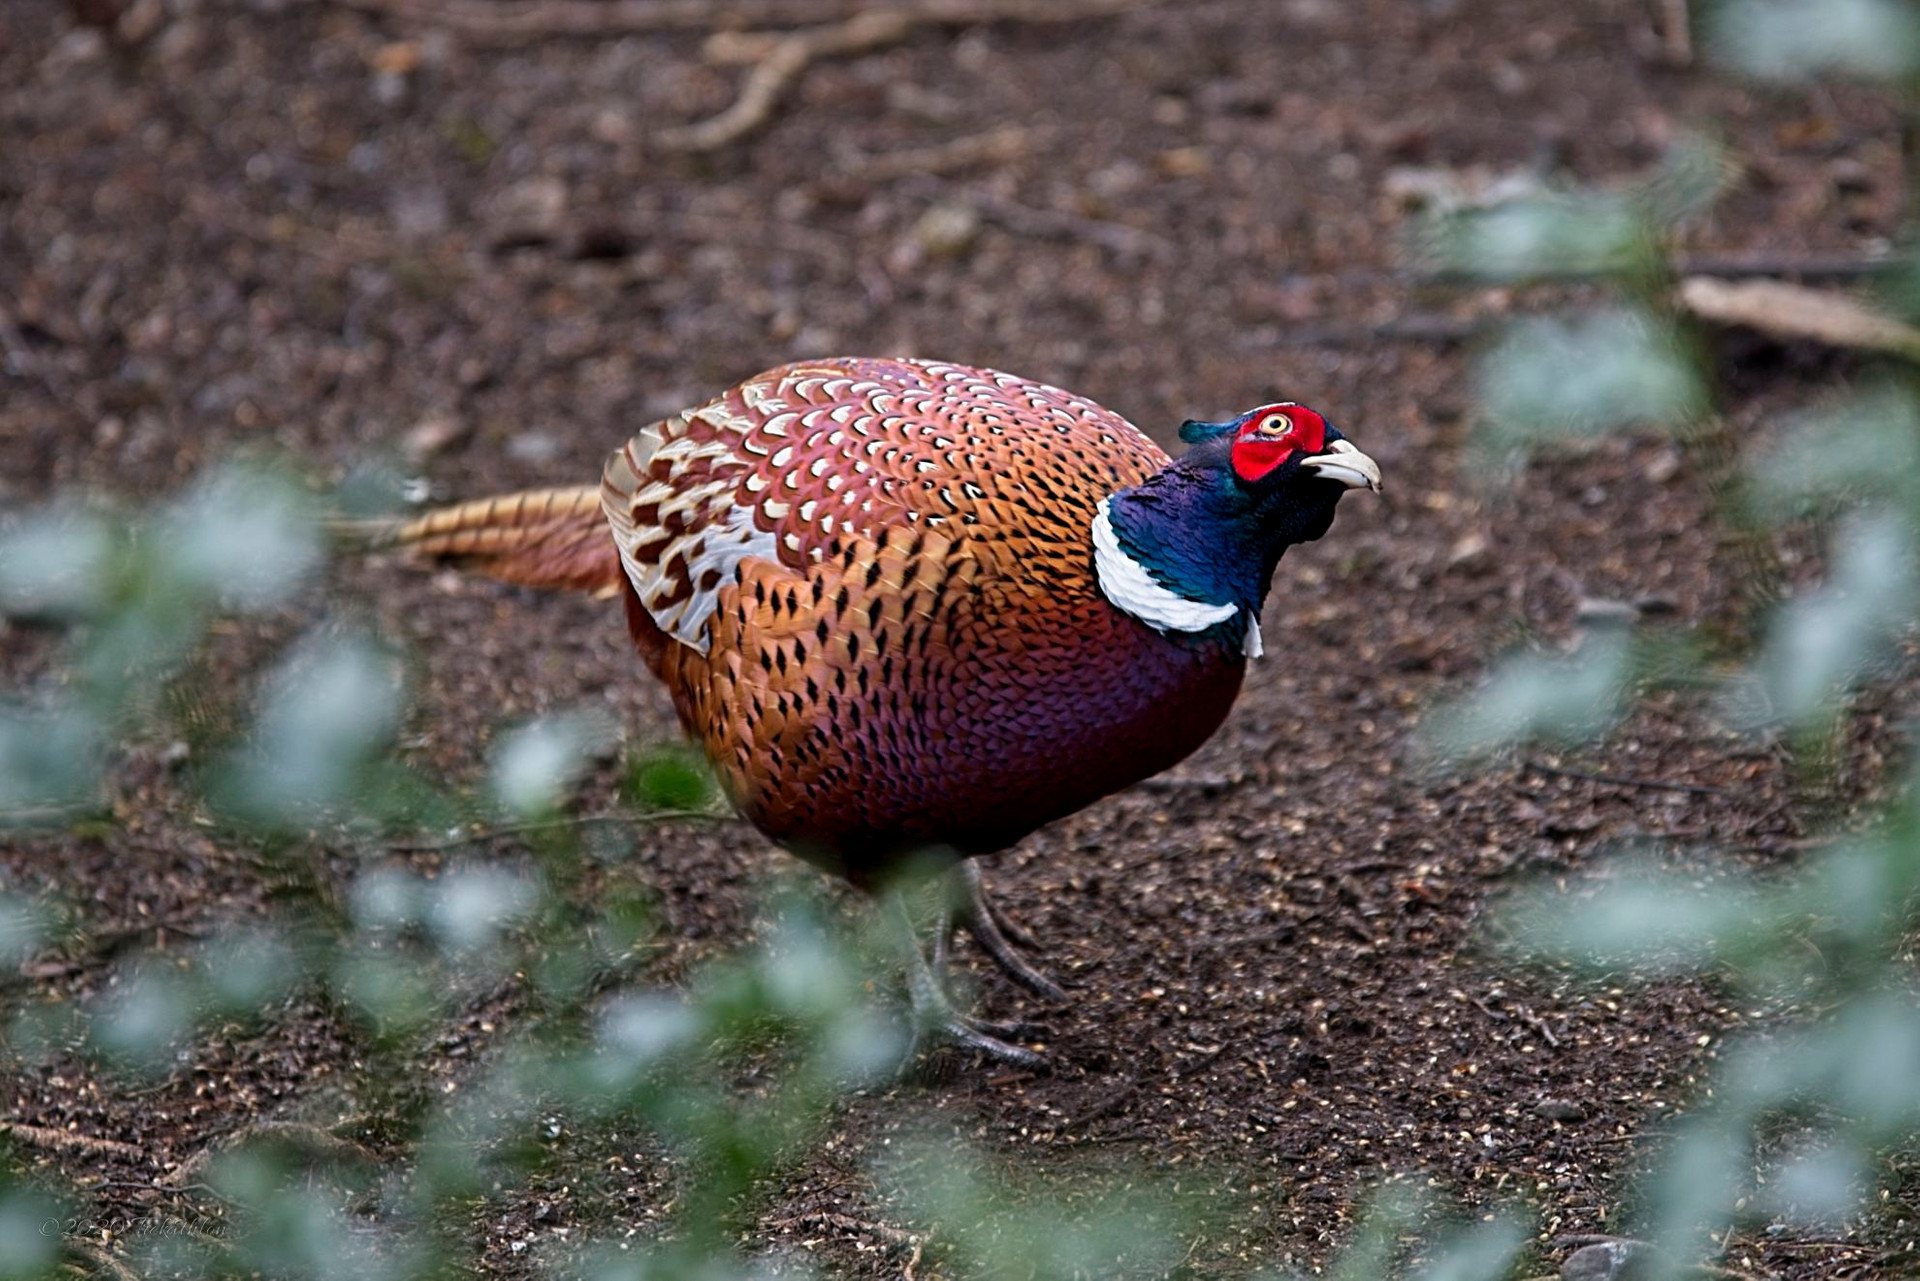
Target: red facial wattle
(1274,433)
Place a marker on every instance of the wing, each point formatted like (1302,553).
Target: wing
(800,463)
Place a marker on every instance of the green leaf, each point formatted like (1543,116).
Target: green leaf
(1592,234)
(58,562)
(1798,39)
(140,1023)
(671,778)
(536,765)
(1554,378)
(32,1226)
(49,761)
(1865,447)
(1644,919)
(244,536)
(1820,643)
(329,710)
(1532,696)
(471,905)
(23,929)
(1484,1251)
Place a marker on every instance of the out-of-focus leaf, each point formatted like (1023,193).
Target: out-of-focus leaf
(471,905)
(49,760)
(56,563)
(1864,1064)
(1555,378)
(1391,1214)
(1867,446)
(140,1022)
(861,1046)
(327,712)
(31,1230)
(612,1263)
(1702,1171)
(537,764)
(248,971)
(1795,39)
(636,1032)
(1531,696)
(40,1033)
(1482,1252)
(670,778)
(1643,919)
(1592,235)
(387,900)
(805,976)
(244,536)
(391,992)
(1819,643)
(1693,173)
(23,929)
(298,1231)
(1041,1228)
(1819,1188)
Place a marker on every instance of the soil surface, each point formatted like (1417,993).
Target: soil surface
(350,234)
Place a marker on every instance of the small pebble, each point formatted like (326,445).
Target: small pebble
(431,435)
(1616,1260)
(1564,1110)
(947,230)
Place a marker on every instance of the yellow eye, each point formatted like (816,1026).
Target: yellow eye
(1276,425)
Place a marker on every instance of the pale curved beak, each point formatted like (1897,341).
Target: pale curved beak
(1346,464)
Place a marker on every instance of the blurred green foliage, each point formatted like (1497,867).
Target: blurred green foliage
(1789,1129)
(738,1070)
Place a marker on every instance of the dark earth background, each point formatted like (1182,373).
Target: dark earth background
(347,234)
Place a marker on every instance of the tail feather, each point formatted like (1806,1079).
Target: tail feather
(552,538)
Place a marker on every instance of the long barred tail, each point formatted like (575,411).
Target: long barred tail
(553,538)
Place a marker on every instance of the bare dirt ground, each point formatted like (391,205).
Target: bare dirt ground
(317,227)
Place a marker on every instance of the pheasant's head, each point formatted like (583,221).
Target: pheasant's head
(1192,550)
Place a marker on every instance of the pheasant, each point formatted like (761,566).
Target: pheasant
(908,606)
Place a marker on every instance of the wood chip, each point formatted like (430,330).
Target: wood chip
(1795,311)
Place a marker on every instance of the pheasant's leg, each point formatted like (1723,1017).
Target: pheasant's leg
(986,926)
(933,1012)
(977,894)
(942,940)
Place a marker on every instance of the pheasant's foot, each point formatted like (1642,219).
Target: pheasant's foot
(935,1017)
(969,1035)
(1014,1029)
(990,928)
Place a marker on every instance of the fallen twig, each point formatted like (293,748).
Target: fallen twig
(1104,1108)
(42,1136)
(534,19)
(779,59)
(99,1261)
(780,65)
(1622,780)
(1539,1025)
(1795,311)
(318,1140)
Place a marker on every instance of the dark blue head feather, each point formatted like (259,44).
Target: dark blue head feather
(1193,431)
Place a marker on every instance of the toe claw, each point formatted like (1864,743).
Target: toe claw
(966,1035)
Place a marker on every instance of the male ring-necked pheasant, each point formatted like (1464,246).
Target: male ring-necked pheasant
(908,606)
